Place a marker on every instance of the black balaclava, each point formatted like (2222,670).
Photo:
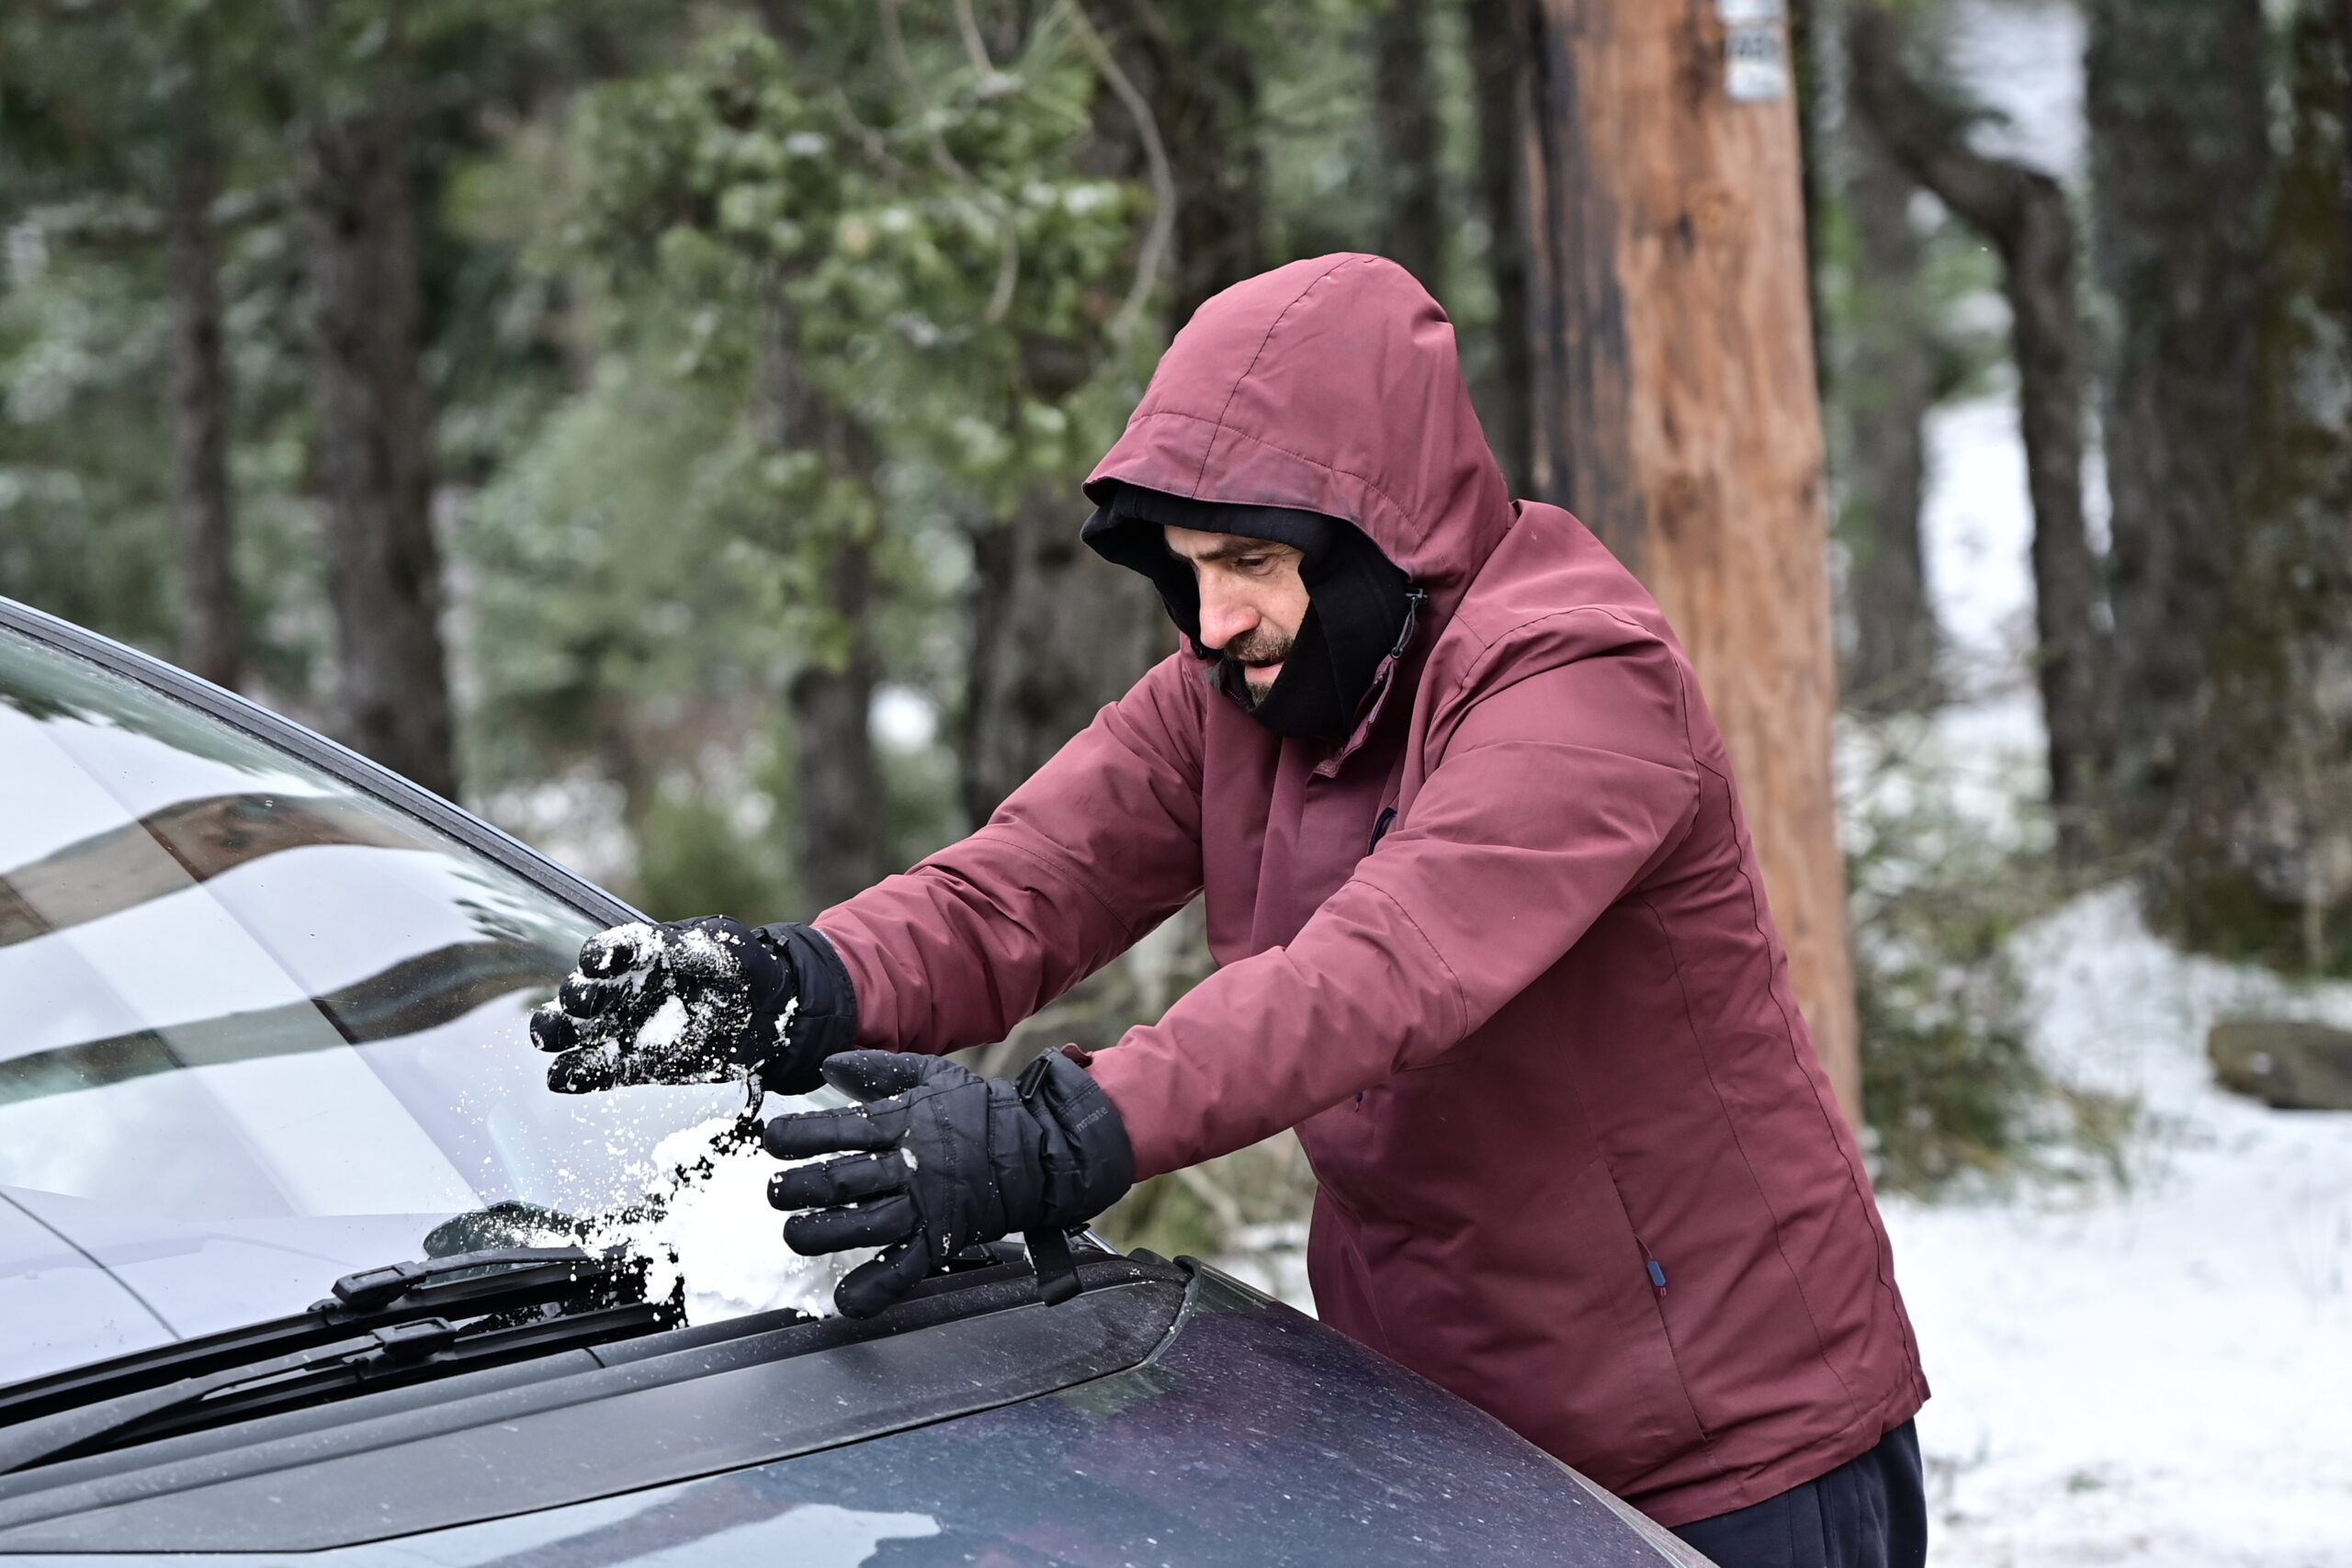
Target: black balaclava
(1360,611)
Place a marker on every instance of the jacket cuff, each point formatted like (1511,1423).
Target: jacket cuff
(1088,1163)
(1126,1079)
(824,1024)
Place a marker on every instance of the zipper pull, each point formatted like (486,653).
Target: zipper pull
(1413,600)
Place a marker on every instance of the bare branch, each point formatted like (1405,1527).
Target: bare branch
(1220,1203)
(974,45)
(1008,272)
(865,136)
(1157,238)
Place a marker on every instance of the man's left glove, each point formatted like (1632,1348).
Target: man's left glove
(698,1002)
(946,1158)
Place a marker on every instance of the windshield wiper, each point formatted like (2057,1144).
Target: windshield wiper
(378,1326)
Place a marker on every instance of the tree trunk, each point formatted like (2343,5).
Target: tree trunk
(2026,216)
(1808,38)
(841,817)
(1406,132)
(1498,35)
(211,631)
(841,823)
(2262,866)
(1057,633)
(1677,411)
(372,450)
(1886,383)
(840,828)
(2180,162)
(1193,64)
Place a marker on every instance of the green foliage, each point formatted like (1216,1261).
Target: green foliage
(1948,1086)
(695,858)
(1162,1215)
(618,622)
(1322,162)
(605,574)
(1941,885)
(1222,1207)
(84,141)
(858,294)
(940,265)
(81,530)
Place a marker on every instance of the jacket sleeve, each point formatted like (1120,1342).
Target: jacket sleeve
(1553,796)
(1100,845)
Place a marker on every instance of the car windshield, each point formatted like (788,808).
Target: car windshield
(259,1027)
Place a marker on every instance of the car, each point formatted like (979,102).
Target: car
(298,1254)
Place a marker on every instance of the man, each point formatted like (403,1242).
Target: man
(1491,936)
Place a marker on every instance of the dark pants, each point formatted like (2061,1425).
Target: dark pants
(1869,1512)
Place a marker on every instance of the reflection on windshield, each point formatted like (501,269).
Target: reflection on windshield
(256,1028)
(200,838)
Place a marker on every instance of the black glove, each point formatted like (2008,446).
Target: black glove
(698,1002)
(953,1158)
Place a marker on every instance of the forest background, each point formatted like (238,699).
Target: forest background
(658,426)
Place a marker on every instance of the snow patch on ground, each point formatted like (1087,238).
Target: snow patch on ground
(1272,1259)
(2160,1376)
(2023,60)
(1978,536)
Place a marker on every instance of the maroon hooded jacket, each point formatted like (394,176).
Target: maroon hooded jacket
(1502,957)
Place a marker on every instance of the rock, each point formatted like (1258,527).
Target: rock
(2294,1066)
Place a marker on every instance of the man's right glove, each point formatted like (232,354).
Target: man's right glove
(945,1158)
(698,1002)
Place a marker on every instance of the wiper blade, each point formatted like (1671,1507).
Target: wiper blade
(434,1283)
(431,1353)
(510,1281)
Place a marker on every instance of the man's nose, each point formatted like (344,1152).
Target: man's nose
(1224,617)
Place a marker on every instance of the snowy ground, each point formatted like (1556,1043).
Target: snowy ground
(2160,1376)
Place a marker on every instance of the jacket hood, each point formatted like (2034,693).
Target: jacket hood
(1330,386)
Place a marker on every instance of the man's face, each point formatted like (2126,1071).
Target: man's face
(1252,602)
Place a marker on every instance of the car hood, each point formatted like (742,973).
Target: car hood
(1248,1435)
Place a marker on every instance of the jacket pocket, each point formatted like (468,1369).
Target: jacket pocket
(1647,1279)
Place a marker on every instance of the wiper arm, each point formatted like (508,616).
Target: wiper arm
(369,1313)
(45,1435)
(436,1283)
(402,1353)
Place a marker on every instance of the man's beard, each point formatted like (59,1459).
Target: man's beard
(1262,645)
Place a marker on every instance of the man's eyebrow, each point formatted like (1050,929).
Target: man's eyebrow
(1234,547)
